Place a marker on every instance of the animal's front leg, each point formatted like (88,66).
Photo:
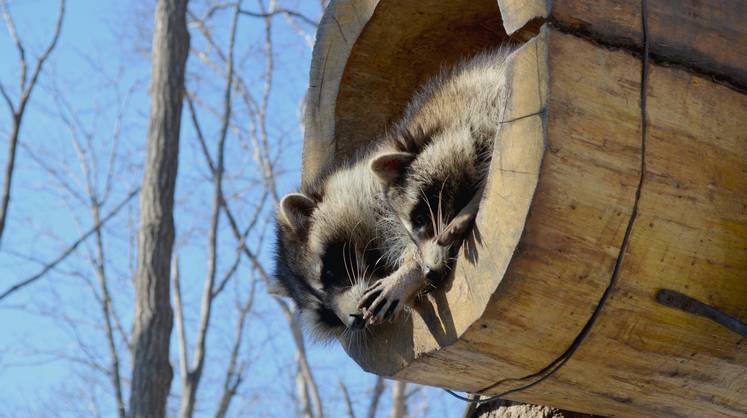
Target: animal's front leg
(386,299)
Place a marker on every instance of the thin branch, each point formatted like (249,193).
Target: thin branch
(215,8)
(206,305)
(399,400)
(43,57)
(308,39)
(106,307)
(52,264)
(25,94)
(302,395)
(8,101)
(252,224)
(378,389)
(348,402)
(288,313)
(280,11)
(17,41)
(55,174)
(262,111)
(179,319)
(234,371)
(198,130)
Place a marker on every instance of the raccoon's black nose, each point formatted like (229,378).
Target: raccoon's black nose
(432,275)
(358,322)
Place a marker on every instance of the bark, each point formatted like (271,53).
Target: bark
(510,409)
(151,371)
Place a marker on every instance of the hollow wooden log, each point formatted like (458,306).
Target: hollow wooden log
(579,198)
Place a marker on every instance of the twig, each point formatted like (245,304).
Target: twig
(51,265)
(192,378)
(234,371)
(348,402)
(181,336)
(19,110)
(378,389)
(276,12)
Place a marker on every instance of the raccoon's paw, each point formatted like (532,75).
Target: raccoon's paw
(456,230)
(381,301)
(386,299)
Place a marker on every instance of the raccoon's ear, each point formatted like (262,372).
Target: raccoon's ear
(295,210)
(388,167)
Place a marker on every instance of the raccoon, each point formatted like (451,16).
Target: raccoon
(337,237)
(354,249)
(436,193)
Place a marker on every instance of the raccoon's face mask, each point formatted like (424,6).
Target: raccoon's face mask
(422,204)
(324,266)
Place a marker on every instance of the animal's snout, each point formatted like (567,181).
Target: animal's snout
(357,321)
(432,275)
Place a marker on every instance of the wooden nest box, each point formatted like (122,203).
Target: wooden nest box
(580,197)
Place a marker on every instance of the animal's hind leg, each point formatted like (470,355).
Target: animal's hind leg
(462,222)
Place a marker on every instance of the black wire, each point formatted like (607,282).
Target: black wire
(556,364)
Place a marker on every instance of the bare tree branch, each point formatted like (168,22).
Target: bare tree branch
(235,369)
(378,389)
(281,11)
(18,111)
(8,101)
(198,130)
(348,402)
(288,313)
(262,111)
(17,41)
(218,167)
(399,400)
(106,307)
(181,336)
(302,394)
(45,54)
(52,264)
(231,271)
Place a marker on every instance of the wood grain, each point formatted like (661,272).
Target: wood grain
(707,36)
(561,193)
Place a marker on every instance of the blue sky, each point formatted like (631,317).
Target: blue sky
(99,74)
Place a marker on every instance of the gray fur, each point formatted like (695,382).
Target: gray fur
(462,109)
(448,128)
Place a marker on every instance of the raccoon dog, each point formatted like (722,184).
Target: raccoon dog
(436,193)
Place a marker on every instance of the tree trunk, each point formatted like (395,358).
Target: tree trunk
(151,372)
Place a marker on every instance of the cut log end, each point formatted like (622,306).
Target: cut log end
(564,180)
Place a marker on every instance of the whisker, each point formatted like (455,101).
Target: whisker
(348,271)
(441,223)
(430,210)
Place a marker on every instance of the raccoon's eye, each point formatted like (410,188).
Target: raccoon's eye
(328,276)
(419,220)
